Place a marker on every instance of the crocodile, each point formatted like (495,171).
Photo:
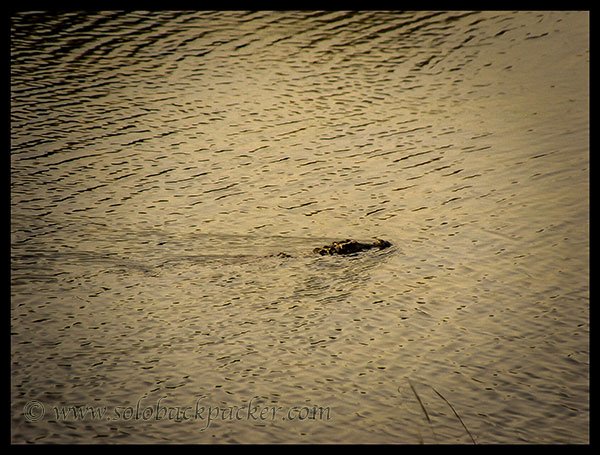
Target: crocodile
(350,246)
(347,246)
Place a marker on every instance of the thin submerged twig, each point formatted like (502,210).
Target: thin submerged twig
(453,410)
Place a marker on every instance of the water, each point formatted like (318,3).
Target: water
(160,159)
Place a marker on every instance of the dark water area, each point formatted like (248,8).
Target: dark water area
(161,160)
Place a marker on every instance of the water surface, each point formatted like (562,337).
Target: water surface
(160,159)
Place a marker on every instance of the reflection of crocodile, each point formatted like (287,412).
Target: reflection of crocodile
(345,247)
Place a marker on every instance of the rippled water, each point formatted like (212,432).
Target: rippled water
(159,161)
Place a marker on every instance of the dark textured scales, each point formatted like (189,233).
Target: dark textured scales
(350,246)
(347,246)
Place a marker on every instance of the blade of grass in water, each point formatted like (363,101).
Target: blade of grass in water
(422,407)
(453,410)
